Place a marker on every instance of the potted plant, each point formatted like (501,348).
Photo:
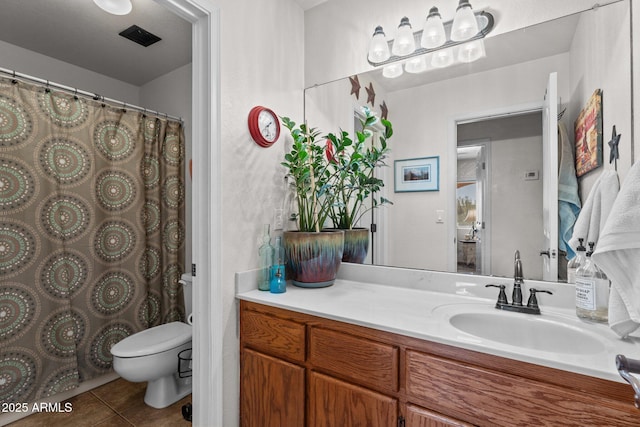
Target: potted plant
(313,254)
(352,165)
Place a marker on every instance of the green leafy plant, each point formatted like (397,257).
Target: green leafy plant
(309,170)
(352,164)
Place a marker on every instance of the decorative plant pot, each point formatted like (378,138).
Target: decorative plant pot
(313,259)
(356,244)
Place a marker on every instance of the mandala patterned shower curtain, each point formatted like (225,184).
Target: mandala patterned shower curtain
(91,235)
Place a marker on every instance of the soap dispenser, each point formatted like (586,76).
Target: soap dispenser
(576,262)
(592,291)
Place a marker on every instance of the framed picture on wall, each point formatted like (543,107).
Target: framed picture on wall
(588,135)
(422,174)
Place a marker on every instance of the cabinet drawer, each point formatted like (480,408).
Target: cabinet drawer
(491,398)
(272,335)
(362,361)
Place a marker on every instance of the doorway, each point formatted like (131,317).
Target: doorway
(207,353)
(500,191)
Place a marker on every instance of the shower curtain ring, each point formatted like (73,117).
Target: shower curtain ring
(47,90)
(14,81)
(144,113)
(75,94)
(124,107)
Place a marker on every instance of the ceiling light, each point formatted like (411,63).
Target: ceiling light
(433,32)
(378,47)
(404,43)
(392,71)
(115,7)
(465,26)
(416,65)
(442,58)
(465,44)
(471,51)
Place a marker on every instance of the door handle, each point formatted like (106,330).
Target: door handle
(548,253)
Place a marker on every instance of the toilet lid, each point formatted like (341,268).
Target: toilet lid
(153,340)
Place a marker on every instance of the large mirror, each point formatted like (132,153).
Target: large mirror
(484,122)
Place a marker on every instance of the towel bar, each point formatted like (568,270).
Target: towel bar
(626,367)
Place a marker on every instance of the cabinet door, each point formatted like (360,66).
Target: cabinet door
(271,391)
(416,416)
(335,403)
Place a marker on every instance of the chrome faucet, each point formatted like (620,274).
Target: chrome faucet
(516,296)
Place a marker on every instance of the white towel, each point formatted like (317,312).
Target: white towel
(596,208)
(618,255)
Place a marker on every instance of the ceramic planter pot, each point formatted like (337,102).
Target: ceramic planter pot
(356,244)
(313,259)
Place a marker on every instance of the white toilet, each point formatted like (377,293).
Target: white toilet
(152,355)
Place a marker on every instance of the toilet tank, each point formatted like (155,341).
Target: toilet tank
(187,289)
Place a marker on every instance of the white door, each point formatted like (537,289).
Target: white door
(549,251)
(482,215)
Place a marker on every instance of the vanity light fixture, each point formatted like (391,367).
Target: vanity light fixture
(115,7)
(463,45)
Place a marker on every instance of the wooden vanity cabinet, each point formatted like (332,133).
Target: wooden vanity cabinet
(300,370)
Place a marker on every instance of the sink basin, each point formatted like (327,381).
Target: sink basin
(527,331)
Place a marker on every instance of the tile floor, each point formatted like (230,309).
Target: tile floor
(118,403)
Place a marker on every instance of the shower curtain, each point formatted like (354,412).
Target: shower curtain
(91,235)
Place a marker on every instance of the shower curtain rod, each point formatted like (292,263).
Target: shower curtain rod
(94,96)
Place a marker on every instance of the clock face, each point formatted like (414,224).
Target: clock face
(267,125)
(264,126)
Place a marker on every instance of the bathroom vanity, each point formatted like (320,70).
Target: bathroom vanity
(364,353)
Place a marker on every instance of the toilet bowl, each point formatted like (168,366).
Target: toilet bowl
(152,356)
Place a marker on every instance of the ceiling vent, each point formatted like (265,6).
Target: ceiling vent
(140,36)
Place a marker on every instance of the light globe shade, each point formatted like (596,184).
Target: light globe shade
(115,7)
(471,51)
(442,58)
(416,65)
(433,31)
(404,42)
(392,71)
(465,25)
(378,46)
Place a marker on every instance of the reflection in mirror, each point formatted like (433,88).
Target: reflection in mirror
(489,112)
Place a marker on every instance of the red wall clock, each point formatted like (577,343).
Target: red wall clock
(264,126)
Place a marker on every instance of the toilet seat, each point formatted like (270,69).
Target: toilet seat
(153,340)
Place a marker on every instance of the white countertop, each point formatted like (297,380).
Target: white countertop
(419,303)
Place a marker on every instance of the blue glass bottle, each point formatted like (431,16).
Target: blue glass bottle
(278,284)
(278,258)
(265,254)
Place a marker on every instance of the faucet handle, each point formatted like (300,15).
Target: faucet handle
(502,296)
(533,301)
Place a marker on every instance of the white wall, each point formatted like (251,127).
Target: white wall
(35,64)
(262,60)
(598,53)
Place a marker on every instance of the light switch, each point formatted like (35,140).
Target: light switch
(439,216)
